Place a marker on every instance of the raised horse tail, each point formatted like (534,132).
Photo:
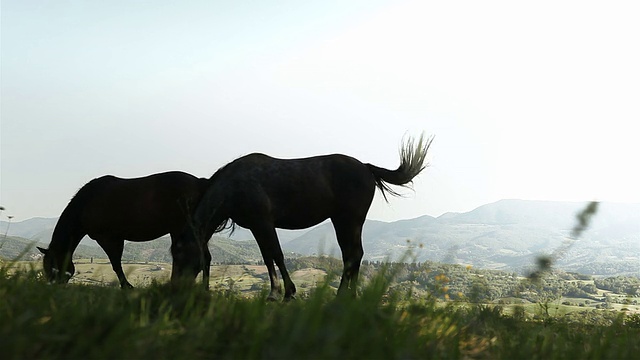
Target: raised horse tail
(412,161)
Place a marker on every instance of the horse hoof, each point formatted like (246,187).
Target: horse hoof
(289,298)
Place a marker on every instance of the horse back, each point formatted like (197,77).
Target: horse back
(318,174)
(139,208)
(296,193)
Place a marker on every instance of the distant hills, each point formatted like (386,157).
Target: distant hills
(505,235)
(223,250)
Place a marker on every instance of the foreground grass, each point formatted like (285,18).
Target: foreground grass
(92,322)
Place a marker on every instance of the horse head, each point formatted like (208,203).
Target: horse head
(189,258)
(58,267)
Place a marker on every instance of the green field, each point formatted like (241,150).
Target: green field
(91,318)
(251,280)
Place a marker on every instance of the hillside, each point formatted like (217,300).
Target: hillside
(38,229)
(223,250)
(14,247)
(41,230)
(506,235)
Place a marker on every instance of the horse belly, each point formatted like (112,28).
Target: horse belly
(151,225)
(131,232)
(295,216)
(297,223)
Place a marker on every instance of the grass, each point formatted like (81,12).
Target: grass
(41,321)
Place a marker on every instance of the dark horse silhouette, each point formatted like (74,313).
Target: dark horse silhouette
(262,193)
(111,210)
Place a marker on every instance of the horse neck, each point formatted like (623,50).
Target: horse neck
(66,234)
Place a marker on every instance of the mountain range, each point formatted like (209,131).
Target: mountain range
(505,235)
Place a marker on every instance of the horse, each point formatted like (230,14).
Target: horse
(262,193)
(111,210)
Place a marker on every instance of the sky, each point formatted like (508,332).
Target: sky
(528,100)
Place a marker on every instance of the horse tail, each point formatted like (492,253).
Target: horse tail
(412,161)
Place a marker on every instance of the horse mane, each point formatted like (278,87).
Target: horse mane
(216,175)
(228,223)
(69,216)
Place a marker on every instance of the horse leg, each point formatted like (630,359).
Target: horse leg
(289,286)
(276,289)
(205,260)
(267,239)
(113,248)
(349,234)
(206,266)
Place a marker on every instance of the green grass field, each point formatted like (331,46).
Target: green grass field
(155,321)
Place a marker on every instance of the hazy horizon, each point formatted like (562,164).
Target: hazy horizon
(526,101)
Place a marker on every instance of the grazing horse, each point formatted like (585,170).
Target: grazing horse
(111,210)
(262,193)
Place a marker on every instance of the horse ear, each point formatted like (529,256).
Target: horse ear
(44,251)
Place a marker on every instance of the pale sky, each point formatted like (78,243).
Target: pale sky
(529,100)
